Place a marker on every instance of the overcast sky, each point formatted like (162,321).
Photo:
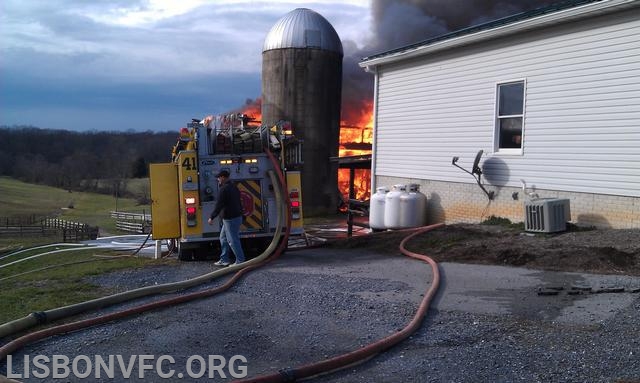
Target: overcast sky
(155,64)
(140,64)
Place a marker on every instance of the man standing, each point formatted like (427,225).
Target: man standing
(230,206)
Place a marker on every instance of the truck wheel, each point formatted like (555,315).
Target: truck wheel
(184,254)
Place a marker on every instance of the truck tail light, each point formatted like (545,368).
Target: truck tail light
(295,209)
(191,216)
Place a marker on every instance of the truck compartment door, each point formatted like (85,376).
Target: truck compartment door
(165,218)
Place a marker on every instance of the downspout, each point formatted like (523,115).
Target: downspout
(374,70)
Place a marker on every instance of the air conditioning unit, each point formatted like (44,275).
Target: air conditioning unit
(546,215)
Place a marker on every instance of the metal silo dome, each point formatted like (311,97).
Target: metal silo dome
(303,28)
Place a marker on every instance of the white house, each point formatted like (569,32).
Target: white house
(551,96)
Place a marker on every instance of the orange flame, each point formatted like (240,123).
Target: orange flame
(253,109)
(356,137)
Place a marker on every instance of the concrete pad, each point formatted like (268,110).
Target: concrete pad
(511,290)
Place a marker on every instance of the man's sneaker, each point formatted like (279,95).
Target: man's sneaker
(238,263)
(221,263)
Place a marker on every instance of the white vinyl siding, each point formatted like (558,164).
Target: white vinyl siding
(582,109)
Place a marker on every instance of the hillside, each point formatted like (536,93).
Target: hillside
(19,198)
(81,161)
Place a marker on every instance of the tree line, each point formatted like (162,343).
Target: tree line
(95,161)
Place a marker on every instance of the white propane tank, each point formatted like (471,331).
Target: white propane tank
(422,205)
(376,209)
(392,206)
(413,207)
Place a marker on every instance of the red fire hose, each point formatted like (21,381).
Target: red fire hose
(288,375)
(362,354)
(20,342)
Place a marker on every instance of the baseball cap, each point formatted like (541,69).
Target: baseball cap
(222,173)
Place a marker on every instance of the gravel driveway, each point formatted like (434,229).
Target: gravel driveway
(487,324)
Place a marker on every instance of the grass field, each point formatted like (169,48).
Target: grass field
(21,199)
(31,282)
(35,280)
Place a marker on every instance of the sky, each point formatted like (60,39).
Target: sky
(122,65)
(140,64)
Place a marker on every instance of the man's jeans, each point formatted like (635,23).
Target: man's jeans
(230,239)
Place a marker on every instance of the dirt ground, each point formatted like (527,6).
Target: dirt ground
(599,251)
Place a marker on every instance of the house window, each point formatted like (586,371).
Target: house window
(510,117)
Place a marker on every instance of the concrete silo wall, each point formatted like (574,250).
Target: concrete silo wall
(303,85)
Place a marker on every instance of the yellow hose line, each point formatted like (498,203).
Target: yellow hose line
(34,319)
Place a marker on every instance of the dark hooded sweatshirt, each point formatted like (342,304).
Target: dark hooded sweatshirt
(228,202)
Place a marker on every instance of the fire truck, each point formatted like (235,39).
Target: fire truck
(184,191)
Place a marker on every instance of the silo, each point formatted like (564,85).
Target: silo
(302,83)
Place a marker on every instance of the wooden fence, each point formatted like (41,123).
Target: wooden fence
(139,223)
(62,223)
(23,220)
(27,231)
(48,227)
(72,231)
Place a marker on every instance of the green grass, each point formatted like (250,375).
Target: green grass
(11,244)
(504,222)
(139,187)
(59,279)
(20,199)
(13,256)
(135,188)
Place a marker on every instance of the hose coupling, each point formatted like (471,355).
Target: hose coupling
(288,375)
(40,316)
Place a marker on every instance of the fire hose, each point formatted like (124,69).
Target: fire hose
(306,371)
(366,352)
(287,375)
(244,268)
(34,319)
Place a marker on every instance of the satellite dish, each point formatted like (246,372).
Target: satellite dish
(476,172)
(476,168)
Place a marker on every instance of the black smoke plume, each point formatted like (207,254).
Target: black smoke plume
(397,23)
